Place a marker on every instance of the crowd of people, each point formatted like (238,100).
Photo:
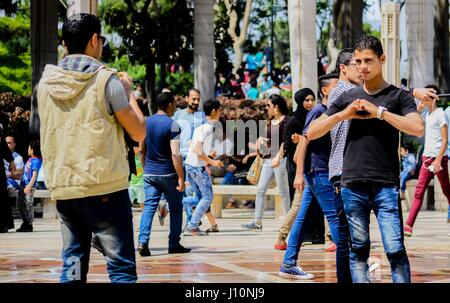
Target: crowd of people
(337,154)
(254,79)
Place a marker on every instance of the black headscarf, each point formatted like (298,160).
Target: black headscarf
(296,122)
(299,98)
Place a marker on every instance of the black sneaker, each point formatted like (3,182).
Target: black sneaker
(25,228)
(143,250)
(179,250)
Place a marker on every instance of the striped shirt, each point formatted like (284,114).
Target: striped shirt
(338,133)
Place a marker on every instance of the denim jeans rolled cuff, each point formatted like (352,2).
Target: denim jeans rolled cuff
(109,217)
(358,203)
(201,182)
(25,205)
(268,173)
(155,187)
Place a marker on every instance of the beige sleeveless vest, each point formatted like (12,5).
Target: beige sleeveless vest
(82,145)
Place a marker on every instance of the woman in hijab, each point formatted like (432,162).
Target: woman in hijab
(306,100)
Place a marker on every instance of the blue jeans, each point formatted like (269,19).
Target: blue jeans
(318,186)
(359,200)
(201,182)
(229,179)
(404,177)
(154,187)
(190,200)
(109,218)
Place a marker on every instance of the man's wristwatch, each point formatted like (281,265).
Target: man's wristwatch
(380,112)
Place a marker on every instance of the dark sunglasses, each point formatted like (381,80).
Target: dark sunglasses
(104,41)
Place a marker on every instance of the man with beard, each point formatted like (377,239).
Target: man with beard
(189,119)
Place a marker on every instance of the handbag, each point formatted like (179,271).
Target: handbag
(255,170)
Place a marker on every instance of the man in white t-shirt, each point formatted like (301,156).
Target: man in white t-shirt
(434,159)
(18,161)
(196,161)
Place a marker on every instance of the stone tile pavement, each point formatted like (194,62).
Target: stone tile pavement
(232,255)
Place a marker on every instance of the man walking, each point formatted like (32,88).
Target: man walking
(196,162)
(312,165)
(84,109)
(163,174)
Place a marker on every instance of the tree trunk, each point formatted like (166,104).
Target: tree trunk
(238,41)
(238,55)
(441,45)
(162,76)
(347,22)
(303,45)
(44,36)
(44,48)
(150,86)
(420,31)
(204,48)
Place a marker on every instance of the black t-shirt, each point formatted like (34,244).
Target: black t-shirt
(371,150)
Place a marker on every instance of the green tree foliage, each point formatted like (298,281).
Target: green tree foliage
(262,21)
(15,58)
(369,30)
(222,40)
(153,32)
(324,17)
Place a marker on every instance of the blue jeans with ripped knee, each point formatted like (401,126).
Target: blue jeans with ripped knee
(359,200)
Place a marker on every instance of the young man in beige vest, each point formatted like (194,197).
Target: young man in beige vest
(84,109)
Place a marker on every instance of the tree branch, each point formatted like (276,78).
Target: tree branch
(131,7)
(243,33)
(233,21)
(146,5)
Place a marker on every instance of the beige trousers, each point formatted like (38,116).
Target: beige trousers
(291,215)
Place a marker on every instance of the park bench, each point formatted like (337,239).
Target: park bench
(242,190)
(49,205)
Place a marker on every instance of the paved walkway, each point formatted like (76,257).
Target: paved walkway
(233,255)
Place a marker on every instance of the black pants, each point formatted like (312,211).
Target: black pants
(6,217)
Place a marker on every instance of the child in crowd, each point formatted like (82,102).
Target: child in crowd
(136,187)
(409,167)
(27,187)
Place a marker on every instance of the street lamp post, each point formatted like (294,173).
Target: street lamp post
(272,49)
